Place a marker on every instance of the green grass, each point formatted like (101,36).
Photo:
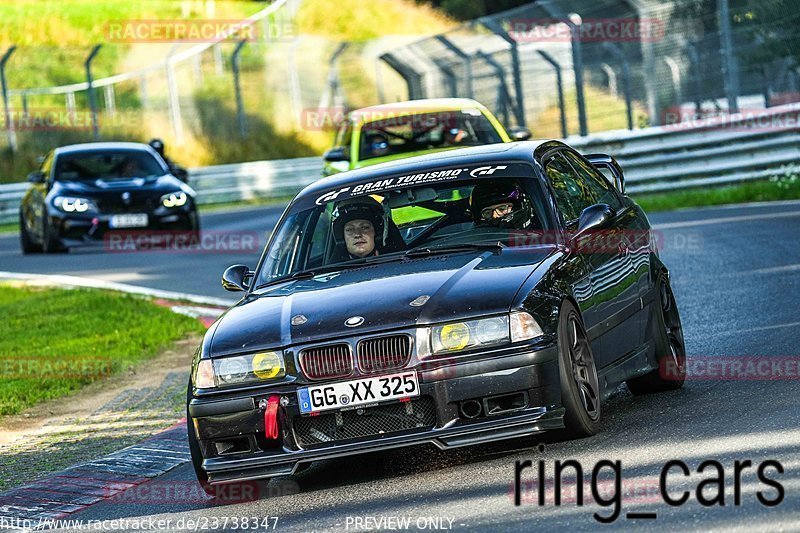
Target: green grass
(11,227)
(776,188)
(75,337)
(360,20)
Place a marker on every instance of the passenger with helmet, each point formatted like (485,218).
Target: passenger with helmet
(500,203)
(176,170)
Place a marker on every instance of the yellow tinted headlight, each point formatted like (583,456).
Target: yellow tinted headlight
(267,365)
(453,336)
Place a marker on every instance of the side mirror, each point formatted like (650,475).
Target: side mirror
(593,218)
(235,278)
(36,177)
(609,168)
(336,154)
(519,134)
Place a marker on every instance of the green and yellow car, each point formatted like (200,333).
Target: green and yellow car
(387,132)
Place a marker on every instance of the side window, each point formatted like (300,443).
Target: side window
(601,189)
(572,196)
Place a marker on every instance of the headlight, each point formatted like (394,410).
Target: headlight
(251,368)
(69,204)
(457,336)
(174,199)
(472,333)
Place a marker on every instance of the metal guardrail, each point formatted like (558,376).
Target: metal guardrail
(654,160)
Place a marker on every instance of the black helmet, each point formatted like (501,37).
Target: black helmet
(489,192)
(364,208)
(157,145)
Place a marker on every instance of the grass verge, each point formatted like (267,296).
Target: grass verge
(773,189)
(55,341)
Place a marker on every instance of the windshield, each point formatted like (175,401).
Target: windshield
(426,131)
(402,222)
(107,165)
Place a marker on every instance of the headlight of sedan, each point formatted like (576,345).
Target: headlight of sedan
(70,204)
(458,336)
(238,370)
(174,199)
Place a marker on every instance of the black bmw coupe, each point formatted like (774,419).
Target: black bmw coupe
(455,299)
(83,191)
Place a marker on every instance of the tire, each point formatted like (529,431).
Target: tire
(580,388)
(194,449)
(25,242)
(51,244)
(669,345)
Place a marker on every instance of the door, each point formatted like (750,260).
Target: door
(611,313)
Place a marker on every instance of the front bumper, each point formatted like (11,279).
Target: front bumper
(95,228)
(532,375)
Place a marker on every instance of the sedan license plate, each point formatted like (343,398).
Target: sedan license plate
(138,220)
(357,392)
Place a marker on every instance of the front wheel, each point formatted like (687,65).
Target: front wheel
(580,388)
(669,345)
(25,242)
(50,242)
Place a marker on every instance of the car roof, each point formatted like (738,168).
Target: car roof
(475,155)
(409,107)
(99,146)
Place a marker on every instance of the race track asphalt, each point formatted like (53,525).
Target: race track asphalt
(736,276)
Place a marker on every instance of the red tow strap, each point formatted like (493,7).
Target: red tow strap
(271,418)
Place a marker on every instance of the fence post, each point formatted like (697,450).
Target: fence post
(675,71)
(493,26)
(412,77)
(574,22)
(729,66)
(465,59)
(174,100)
(694,60)
(90,81)
(237,88)
(560,89)
(449,76)
(12,137)
(294,82)
(503,97)
(626,79)
(612,78)
(334,85)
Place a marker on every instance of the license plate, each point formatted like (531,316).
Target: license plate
(138,220)
(357,392)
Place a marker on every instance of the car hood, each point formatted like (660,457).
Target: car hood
(100,188)
(394,157)
(457,286)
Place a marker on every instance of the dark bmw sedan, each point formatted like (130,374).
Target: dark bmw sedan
(456,299)
(83,191)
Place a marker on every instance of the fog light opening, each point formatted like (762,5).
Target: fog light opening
(471,409)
